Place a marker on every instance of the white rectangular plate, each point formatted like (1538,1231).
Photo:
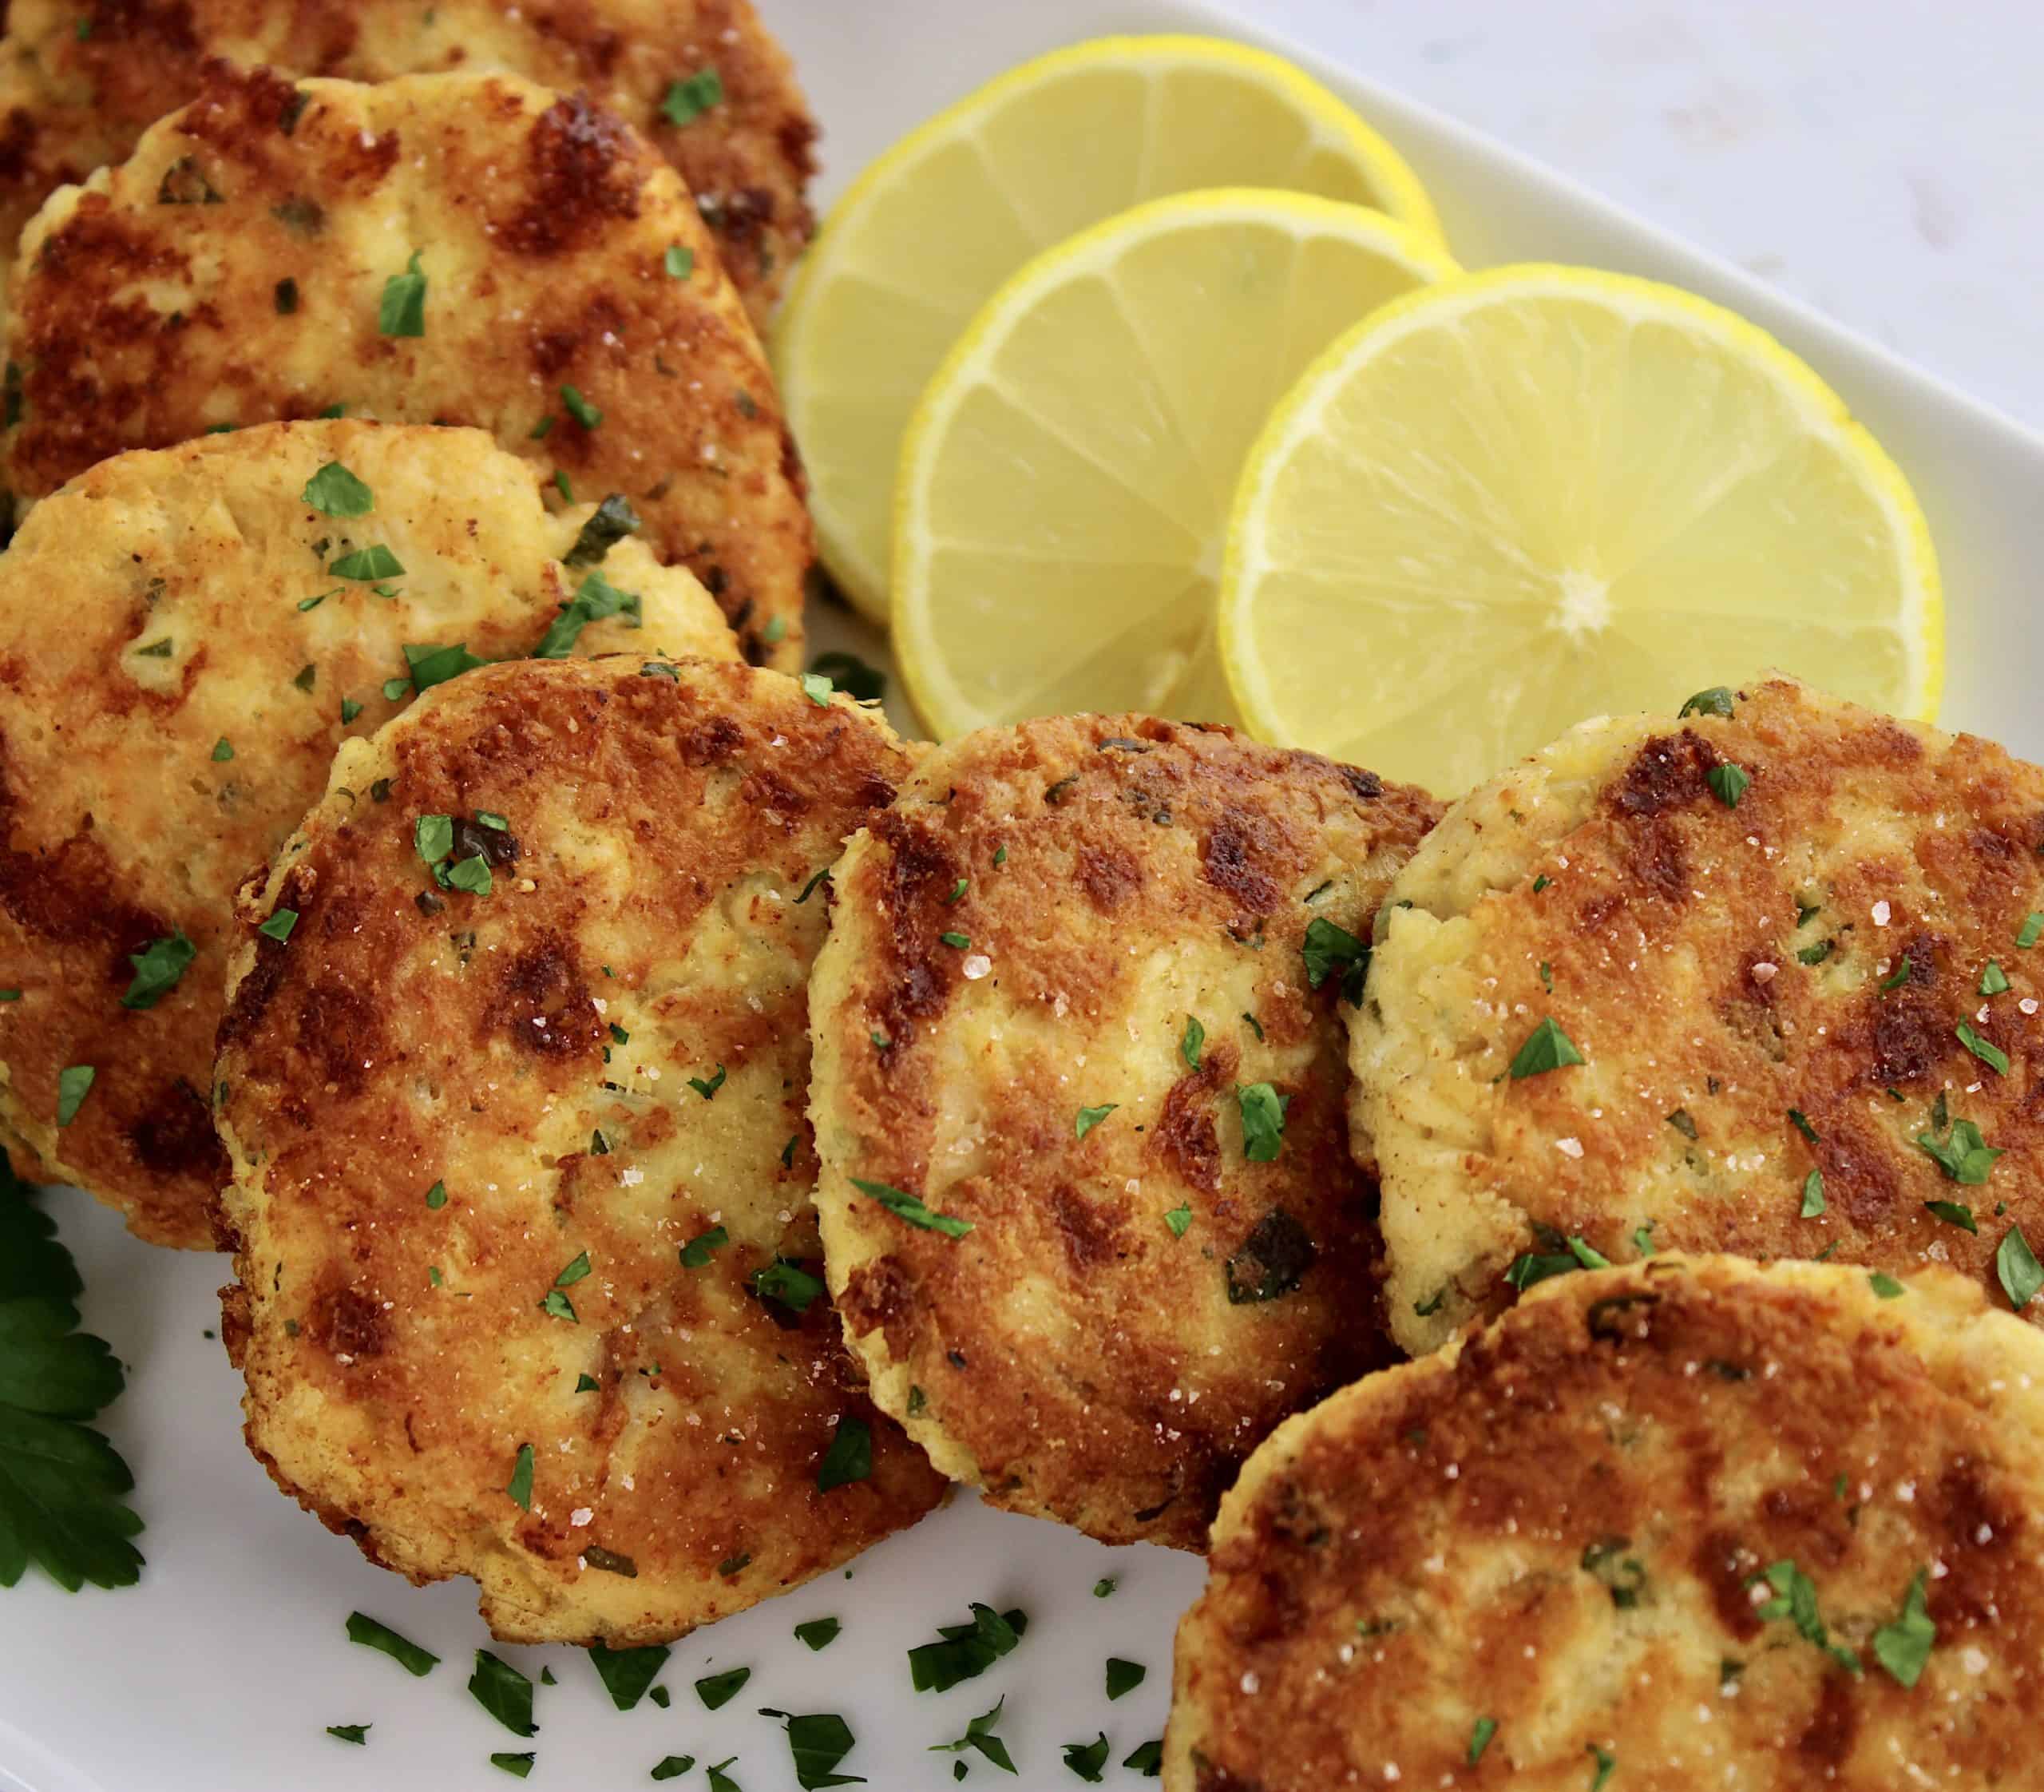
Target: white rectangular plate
(221,1670)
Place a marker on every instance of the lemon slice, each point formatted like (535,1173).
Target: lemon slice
(934,227)
(1067,474)
(1537,493)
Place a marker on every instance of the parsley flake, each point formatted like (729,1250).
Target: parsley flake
(818,1633)
(698,1250)
(1954,1213)
(74,1083)
(357,1733)
(2027,935)
(1480,1738)
(679,261)
(223,750)
(707,1087)
(1812,1195)
(1903,1646)
(1087,1759)
(596,600)
(1963,1155)
(965,1651)
(1886,1285)
(1897,977)
(608,524)
(1146,1758)
(1982,1048)
(334,491)
(1124,1676)
(1179,1219)
(905,1206)
(1716,701)
(1327,948)
(401,311)
(1190,1043)
(503,1691)
(980,1737)
(687,99)
(2016,1265)
(850,1457)
(1546,1047)
(818,1741)
(1263,1121)
(375,562)
(850,674)
(416,1662)
(278,926)
(1728,782)
(818,689)
(673,1767)
(1090,1117)
(518,1766)
(787,1283)
(1993,982)
(717,1691)
(158,968)
(520,1487)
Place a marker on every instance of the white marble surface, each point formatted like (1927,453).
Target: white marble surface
(1878,158)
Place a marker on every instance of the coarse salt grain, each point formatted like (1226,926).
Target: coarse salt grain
(1764,973)
(1568,1147)
(1881,913)
(976,965)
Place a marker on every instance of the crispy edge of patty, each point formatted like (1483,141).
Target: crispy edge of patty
(1408,1441)
(1605,884)
(1120,834)
(95,730)
(300,1058)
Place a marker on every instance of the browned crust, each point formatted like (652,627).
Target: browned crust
(547,221)
(1668,925)
(384,1048)
(79,99)
(1129,843)
(1409,1559)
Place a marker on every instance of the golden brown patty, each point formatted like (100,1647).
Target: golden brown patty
(1017,951)
(528,1261)
(1689,1524)
(82,82)
(1797,1012)
(259,256)
(185,640)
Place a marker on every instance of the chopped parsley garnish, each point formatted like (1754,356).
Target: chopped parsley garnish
(673,1767)
(334,491)
(1962,1154)
(375,562)
(818,689)
(789,1283)
(698,1250)
(980,1737)
(586,1384)
(1897,977)
(1480,1738)
(1255,1025)
(350,709)
(1607,1764)
(158,968)
(574,1272)
(156,649)
(628,1673)
(1090,1117)
(308,675)
(958,942)
(1993,982)
(1190,1041)
(1546,1047)
(818,1633)
(687,99)
(1683,1123)
(520,1487)
(357,1733)
(809,889)
(720,1780)
(1954,1213)
(1886,1285)
(1087,1759)
(1179,1219)
(850,1457)
(1795,1599)
(1728,782)
(2016,1264)
(958,891)
(1983,1048)
(611,521)
(74,1083)
(717,1691)
(61,1483)
(580,408)
(518,1766)
(278,926)
(1904,1646)
(680,260)
(1537,1265)
(1433,1304)
(1146,1758)
(1622,1576)
(503,1691)
(1124,1676)
(402,310)
(1263,1121)
(966,1651)
(223,750)
(707,1087)
(1716,701)
(2033,925)
(1104,1587)
(905,1206)
(415,1661)
(561,484)
(10,995)
(1815,954)
(1812,1195)
(596,600)
(853,675)
(558,1306)
(436,1197)
(818,1741)
(1327,948)
(1801,1122)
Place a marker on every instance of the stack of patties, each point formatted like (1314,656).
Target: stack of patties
(451,249)
(1752,979)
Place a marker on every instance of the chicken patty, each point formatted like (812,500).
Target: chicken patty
(1690,1523)
(186,636)
(1081,996)
(702,80)
(1756,978)
(513,1078)
(440,249)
